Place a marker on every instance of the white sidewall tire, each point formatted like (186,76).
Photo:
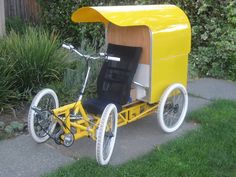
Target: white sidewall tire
(101,133)
(162,105)
(31,113)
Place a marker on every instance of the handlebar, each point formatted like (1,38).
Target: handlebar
(103,55)
(109,57)
(69,47)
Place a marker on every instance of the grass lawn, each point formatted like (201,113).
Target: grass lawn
(209,151)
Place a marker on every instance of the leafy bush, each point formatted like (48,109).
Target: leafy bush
(56,15)
(213,26)
(6,83)
(36,58)
(16,24)
(214,41)
(218,59)
(28,62)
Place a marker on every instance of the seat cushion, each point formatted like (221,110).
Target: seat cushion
(96,106)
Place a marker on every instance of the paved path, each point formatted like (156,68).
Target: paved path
(21,157)
(212,89)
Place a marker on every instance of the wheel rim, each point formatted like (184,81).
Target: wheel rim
(106,134)
(109,135)
(44,121)
(173,107)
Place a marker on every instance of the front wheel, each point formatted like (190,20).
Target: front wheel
(40,125)
(172,108)
(106,134)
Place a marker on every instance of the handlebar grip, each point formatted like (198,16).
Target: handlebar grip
(102,54)
(113,58)
(66,46)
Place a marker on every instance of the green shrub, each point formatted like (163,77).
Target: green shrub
(218,59)
(7,80)
(214,41)
(36,56)
(213,26)
(69,88)
(28,62)
(56,16)
(15,24)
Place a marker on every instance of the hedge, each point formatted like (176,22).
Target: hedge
(213,30)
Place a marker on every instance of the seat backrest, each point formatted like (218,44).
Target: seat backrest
(115,78)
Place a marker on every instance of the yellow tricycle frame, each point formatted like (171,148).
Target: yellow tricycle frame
(87,125)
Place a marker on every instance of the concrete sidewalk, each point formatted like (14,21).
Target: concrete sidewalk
(22,157)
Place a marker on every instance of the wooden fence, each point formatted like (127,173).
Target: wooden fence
(27,10)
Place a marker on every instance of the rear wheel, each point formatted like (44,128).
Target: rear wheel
(45,100)
(173,108)
(106,134)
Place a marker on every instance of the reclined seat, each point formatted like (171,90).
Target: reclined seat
(115,79)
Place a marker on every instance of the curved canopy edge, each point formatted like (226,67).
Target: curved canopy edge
(153,16)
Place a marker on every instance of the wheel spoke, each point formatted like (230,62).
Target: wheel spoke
(48,103)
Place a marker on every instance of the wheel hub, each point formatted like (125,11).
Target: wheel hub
(176,108)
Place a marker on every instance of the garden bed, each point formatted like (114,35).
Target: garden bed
(13,122)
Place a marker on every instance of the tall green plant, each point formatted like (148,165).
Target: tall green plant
(36,56)
(7,80)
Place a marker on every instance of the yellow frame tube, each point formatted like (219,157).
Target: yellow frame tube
(85,128)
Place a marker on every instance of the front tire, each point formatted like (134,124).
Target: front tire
(45,100)
(106,134)
(172,108)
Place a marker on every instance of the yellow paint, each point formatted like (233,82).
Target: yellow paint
(84,128)
(134,112)
(171,38)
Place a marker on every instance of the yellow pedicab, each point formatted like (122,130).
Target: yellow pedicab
(144,71)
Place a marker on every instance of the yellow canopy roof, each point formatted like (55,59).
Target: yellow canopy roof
(156,17)
(170,34)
